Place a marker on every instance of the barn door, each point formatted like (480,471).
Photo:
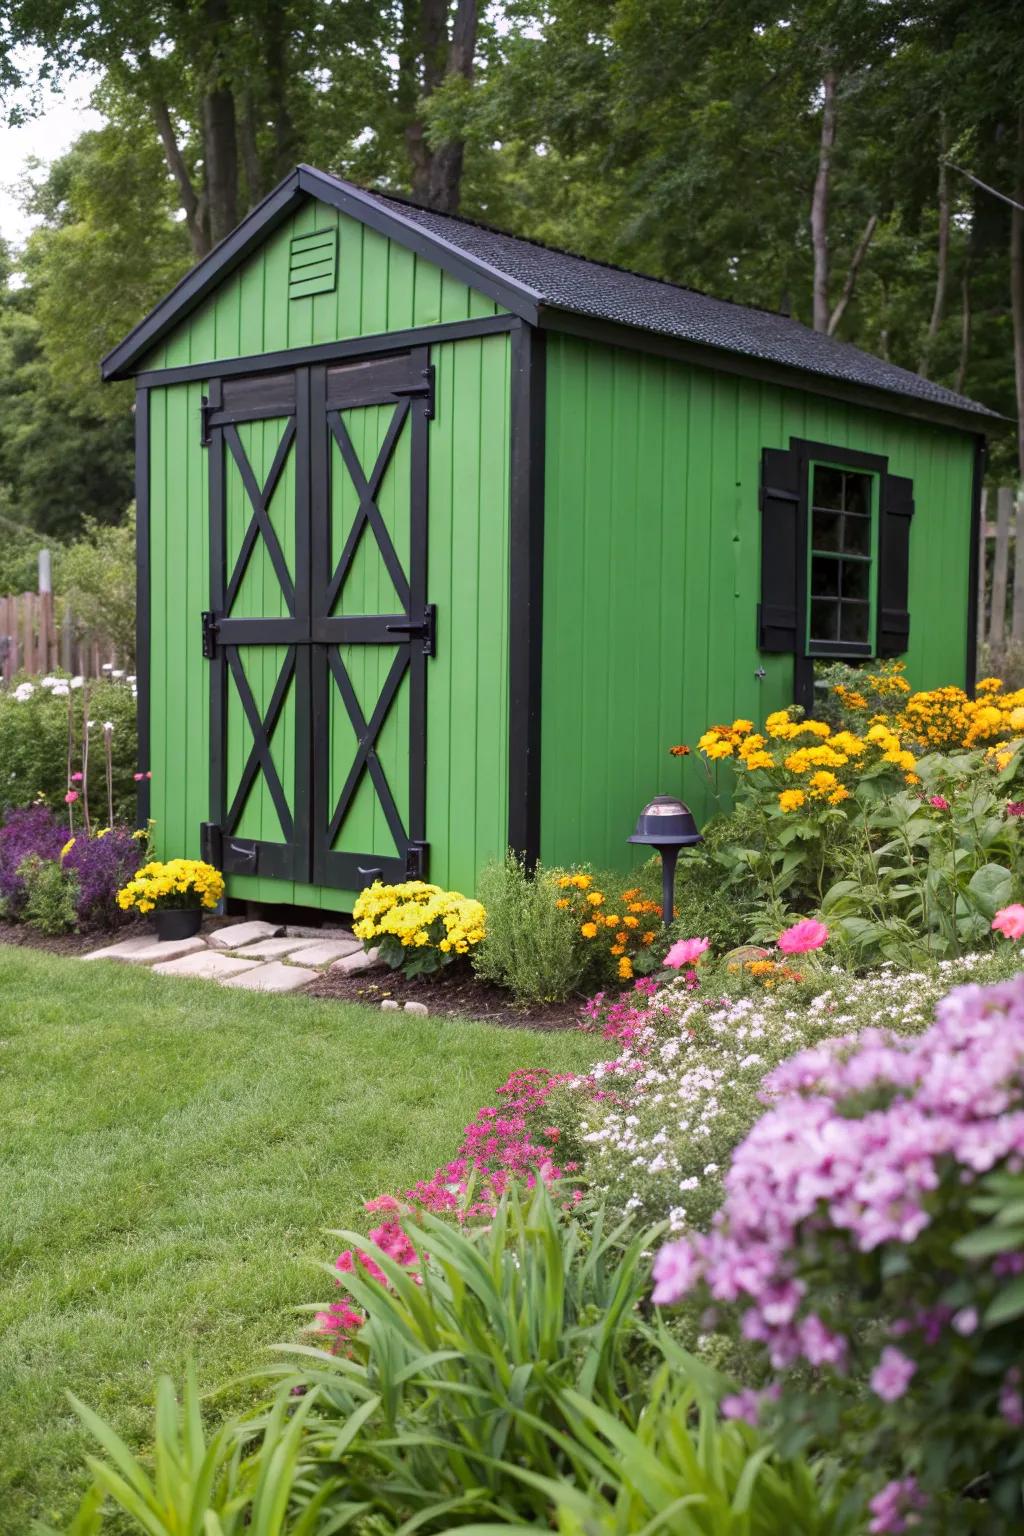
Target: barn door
(372,627)
(256,632)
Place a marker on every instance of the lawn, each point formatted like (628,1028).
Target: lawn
(171,1154)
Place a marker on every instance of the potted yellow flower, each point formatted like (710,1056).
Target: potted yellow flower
(177,893)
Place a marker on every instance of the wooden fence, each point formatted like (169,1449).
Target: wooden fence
(32,640)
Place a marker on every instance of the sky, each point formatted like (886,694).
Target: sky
(66,113)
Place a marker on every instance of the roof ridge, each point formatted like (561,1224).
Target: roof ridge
(406,201)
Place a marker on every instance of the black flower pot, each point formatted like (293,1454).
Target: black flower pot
(177,923)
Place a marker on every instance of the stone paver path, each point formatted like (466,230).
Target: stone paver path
(253,955)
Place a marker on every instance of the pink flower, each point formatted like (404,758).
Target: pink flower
(685,952)
(1015,808)
(805,935)
(1010,921)
(895,1508)
(939,801)
(72,796)
(138,776)
(76,778)
(891,1376)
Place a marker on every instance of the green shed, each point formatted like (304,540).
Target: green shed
(445,536)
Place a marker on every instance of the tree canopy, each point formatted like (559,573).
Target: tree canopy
(846,161)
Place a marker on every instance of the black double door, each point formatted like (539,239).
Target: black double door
(319,630)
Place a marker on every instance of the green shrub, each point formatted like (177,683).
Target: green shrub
(519,1382)
(97,581)
(51,894)
(533,947)
(34,747)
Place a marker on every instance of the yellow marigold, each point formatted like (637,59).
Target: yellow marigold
(617,949)
(989,685)
(743,727)
(823,783)
(596,898)
(612,920)
(589,930)
(630,922)
(562,902)
(791,799)
(758,760)
(648,938)
(717,749)
(838,795)
(779,725)
(625,969)
(1017,718)
(564,882)
(912,778)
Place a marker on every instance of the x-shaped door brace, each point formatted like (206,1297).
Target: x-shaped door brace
(262,730)
(368,490)
(260,521)
(366,759)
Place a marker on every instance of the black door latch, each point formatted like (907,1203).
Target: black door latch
(416,629)
(209,635)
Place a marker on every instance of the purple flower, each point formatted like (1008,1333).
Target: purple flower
(1011,1404)
(103,865)
(676,1270)
(896,1507)
(891,1376)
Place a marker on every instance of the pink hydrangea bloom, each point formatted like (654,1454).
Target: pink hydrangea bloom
(803,936)
(892,1375)
(685,952)
(1010,921)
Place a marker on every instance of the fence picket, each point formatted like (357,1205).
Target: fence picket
(31,640)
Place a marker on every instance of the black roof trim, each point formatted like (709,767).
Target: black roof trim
(543,286)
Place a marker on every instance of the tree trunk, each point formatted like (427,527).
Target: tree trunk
(819,203)
(1017,291)
(286,153)
(250,154)
(851,275)
(942,266)
(965,330)
(220,148)
(436,173)
(192,203)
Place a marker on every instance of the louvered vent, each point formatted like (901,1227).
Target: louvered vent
(313,263)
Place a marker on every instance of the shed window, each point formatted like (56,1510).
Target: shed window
(841,561)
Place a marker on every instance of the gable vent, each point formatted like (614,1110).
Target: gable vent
(312,263)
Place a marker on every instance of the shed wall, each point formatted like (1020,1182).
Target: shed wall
(381,287)
(467,690)
(652,573)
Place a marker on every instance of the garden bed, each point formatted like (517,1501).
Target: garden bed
(452,993)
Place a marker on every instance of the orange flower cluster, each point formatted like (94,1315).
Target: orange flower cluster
(770,973)
(625,931)
(937,719)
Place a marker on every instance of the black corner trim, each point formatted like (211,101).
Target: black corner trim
(973,563)
(143,603)
(526,591)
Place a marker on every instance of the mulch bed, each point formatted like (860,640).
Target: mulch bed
(453,992)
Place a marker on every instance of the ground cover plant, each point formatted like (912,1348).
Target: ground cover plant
(169,1170)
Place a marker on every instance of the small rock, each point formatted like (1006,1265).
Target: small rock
(389,1005)
(237,934)
(416,1008)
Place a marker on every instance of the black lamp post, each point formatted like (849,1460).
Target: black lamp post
(666,825)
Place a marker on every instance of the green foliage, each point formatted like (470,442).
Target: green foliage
(50,895)
(519,1379)
(34,748)
(97,582)
(533,947)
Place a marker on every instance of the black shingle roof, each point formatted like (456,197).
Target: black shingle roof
(583,287)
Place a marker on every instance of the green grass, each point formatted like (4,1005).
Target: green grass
(170,1154)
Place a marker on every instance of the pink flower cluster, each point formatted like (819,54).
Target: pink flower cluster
(897,1507)
(627,1018)
(859,1135)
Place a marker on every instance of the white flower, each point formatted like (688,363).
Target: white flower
(76,682)
(108,666)
(48,682)
(117,672)
(108,727)
(24,691)
(59,691)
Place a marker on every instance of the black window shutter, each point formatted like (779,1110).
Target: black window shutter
(894,565)
(778,615)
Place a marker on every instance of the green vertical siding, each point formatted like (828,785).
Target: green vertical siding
(381,287)
(467,691)
(652,573)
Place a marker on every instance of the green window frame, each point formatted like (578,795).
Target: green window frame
(842,559)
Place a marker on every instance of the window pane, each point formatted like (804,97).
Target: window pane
(828,487)
(856,579)
(857,493)
(854,622)
(826,531)
(857,535)
(825,577)
(824,619)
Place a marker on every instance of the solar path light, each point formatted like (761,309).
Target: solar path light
(666,825)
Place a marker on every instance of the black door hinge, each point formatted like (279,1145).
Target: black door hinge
(424,629)
(426,389)
(209,635)
(205,409)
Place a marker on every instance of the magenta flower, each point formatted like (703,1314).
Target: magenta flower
(895,1508)
(1010,921)
(1015,808)
(76,778)
(891,1376)
(685,952)
(803,936)
(71,797)
(939,801)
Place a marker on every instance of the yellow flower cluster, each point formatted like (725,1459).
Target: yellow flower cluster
(418,914)
(630,930)
(178,883)
(937,719)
